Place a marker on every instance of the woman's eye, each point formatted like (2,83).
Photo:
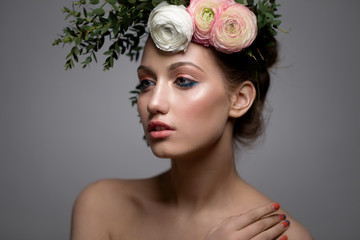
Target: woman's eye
(144,84)
(185,82)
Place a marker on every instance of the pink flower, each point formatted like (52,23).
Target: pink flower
(234,29)
(204,13)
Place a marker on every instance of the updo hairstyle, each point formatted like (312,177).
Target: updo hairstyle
(239,67)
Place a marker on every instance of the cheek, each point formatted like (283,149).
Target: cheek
(205,111)
(140,105)
(142,109)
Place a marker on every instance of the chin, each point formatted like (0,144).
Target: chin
(172,151)
(168,150)
(162,152)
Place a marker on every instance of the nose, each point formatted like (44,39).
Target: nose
(159,102)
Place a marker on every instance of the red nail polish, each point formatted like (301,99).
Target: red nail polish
(276,206)
(285,224)
(283,238)
(282,217)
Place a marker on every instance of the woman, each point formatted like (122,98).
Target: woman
(195,99)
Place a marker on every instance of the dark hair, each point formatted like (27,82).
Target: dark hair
(239,67)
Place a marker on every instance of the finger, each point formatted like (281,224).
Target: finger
(243,220)
(284,237)
(260,226)
(274,232)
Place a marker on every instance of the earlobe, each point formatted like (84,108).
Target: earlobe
(242,99)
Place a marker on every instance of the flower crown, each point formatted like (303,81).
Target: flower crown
(224,24)
(227,25)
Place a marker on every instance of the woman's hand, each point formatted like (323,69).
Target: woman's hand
(257,224)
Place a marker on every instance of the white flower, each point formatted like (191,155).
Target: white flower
(171,27)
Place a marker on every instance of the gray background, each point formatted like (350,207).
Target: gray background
(61,130)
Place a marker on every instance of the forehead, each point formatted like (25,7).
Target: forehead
(196,54)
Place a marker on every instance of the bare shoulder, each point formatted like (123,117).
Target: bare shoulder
(99,195)
(103,204)
(296,231)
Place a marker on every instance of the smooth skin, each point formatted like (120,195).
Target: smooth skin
(201,197)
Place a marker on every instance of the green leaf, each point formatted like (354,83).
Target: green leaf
(269,16)
(94,2)
(111,1)
(65,9)
(90,47)
(111,61)
(85,12)
(101,42)
(116,29)
(75,58)
(141,6)
(115,55)
(71,63)
(75,50)
(276,22)
(57,41)
(84,27)
(117,48)
(67,16)
(87,60)
(104,30)
(94,56)
(99,11)
(78,41)
(69,55)
(79,20)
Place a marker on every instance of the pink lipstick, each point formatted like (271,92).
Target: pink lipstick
(158,129)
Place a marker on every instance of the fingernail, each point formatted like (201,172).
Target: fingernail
(283,237)
(285,224)
(276,206)
(282,217)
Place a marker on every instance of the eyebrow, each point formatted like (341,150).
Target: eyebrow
(170,68)
(180,64)
(146,69)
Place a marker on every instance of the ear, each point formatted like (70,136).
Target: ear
(242,99)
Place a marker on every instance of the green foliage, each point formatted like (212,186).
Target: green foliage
(135,93)
(92,22)
(123,23)
(267,19)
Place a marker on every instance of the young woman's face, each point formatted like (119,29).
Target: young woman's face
(183,104)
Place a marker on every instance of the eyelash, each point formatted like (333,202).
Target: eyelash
(146,83)
(189,83)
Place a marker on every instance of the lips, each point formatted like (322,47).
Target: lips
(158,126)
(158,129)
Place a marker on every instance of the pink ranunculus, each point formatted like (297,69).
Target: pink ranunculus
(234,30)
(204,13)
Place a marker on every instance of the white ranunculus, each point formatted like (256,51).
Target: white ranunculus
(171,27)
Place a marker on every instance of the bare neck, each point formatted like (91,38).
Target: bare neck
(204,179)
